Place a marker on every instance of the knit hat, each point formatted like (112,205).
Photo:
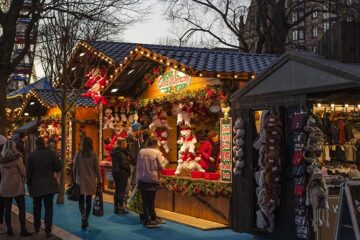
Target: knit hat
(3,140)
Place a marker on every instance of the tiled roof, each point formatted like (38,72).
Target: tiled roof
(41,84)
(200,59)
(48,96)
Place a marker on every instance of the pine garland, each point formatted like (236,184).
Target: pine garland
(190,187)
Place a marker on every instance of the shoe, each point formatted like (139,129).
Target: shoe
(160,220)
(84,223)
(116,210)
(151,224)
(123,211)
(9,232)
(142,218)
(25,233)
(48,235)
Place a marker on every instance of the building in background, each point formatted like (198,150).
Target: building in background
(24,72)
(307,34)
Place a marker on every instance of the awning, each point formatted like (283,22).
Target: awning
(27,127)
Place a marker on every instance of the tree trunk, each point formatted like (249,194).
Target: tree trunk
(2,105)
(61,196)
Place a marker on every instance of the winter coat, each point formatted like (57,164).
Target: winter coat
(205,151)
(12,176)
(150,162)
(121,161)
(40,168)
(89,171)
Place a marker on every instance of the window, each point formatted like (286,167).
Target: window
(314,49)
(326,26)
(326,12)
(315,13)
(295,35)
(301,34)
(294,17)
(315,32)
(348,2)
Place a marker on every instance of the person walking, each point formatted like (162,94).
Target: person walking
(150,162)
(12,185)
(121,171)
(86,171)
(41,166)
(2,230)
(21,145)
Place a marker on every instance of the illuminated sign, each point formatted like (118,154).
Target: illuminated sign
(226,149)
(173,81)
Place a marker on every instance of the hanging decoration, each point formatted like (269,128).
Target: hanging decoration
(96,82)
(153,74)
(238,148)
(191,187)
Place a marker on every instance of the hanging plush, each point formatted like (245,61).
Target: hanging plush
(108,119)
(183,113)
(317,198)
(162,138)
(187,141)
(159,121)
(238,149)
(95,83)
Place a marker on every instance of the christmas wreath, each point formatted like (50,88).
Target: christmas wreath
(196,188)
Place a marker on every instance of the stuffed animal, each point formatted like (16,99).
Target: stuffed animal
(188,161)
(160,121)
(317,198)
(162,137)
(183,114)
(108,119)
(187,141)
(96,81)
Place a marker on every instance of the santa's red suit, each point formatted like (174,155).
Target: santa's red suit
(205,151)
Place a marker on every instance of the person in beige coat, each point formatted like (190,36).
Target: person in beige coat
(87,174)
(12,184)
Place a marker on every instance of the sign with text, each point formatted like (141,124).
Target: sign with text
(347,226)
(173,81)
(225,149)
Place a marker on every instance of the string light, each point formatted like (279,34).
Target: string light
(332,105)
(235,76)
(218,75)
(319,104)
(346,105)
(200,75)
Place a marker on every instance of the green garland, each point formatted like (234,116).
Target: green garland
(191,187)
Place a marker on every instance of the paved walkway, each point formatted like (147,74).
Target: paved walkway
(16,230)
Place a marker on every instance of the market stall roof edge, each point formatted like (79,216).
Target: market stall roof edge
(346,75)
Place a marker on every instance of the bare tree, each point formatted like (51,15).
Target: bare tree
(120,13)
(224,21)
(58,34)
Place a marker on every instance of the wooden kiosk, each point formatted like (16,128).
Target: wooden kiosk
(145,82)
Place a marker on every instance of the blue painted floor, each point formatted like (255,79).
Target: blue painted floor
(127,227)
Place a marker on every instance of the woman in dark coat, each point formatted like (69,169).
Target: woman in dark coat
(121,172)
(86,171)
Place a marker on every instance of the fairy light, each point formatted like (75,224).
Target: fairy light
(319,104)
(200,75)
(235,76)
(218,75)
(346,105)
(332,105)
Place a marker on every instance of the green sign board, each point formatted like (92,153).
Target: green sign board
(173,81)
(226,149)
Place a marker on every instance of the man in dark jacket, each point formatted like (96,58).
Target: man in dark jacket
(121,172)
(40,168)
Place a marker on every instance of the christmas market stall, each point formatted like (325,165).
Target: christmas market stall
(301,118)
(180,96)
(39,109)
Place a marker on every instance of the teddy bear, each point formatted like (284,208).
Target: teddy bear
(162,137)
(188,161)
(187,141)
(108,119)
(159,121)
(183,114)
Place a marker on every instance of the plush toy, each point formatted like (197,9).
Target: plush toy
(187,141)
(162,137)
(108,119)
(96,81)
(183,114)
(188,161)
(160,121)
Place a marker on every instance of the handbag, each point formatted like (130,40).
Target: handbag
(73,191)
(98,207)
(298,121)
(298,156)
